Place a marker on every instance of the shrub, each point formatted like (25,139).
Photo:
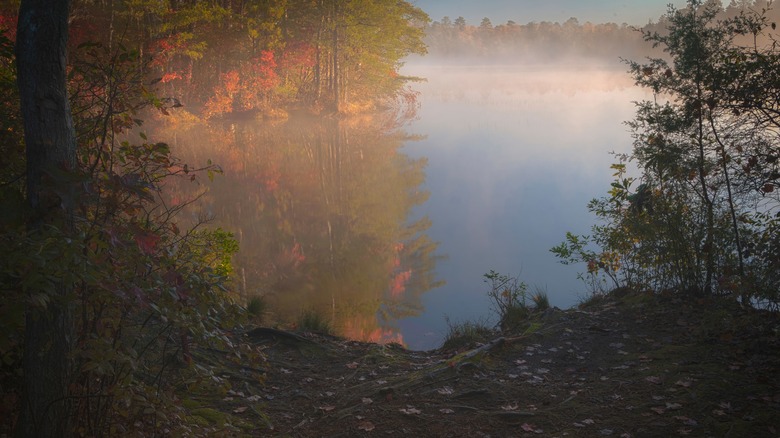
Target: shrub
(256,308)
(509,296)
(465,334)
(314,322)
(540,299)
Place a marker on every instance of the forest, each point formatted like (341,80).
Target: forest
(110,300)
(232,56)
(546,42)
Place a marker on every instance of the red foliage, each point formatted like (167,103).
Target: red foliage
(298,55)
(147,241)
(8,25)
(82,31)
(263,77)
(248,90)
(230,82)
(164,49)
(168,77)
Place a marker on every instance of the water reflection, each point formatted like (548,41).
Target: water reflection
(320,208)
(515,153)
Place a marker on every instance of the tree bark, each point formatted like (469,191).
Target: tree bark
(42,33)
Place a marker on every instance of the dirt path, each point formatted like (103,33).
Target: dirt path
(632,366)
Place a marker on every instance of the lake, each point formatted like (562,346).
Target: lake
(385,226)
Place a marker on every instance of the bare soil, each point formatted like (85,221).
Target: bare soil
(634,365)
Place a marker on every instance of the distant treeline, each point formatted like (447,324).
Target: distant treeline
(553,42)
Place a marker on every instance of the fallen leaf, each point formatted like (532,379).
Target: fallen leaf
(658,410)
(673,406)
(366,425)
(588,421)
(445,391)
(606,432)
(352,365)
(410,410)
(528,427)
(367,401)
(240,409)
(326,408)
(653,379)
(510,407)
(686,383)
(446,411)
(687,421)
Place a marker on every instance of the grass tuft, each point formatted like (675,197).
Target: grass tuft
(465,334)
(314,322)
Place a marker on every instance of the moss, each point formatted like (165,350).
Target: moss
(213,416)
(190,403)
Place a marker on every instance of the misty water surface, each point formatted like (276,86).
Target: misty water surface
(384,230)
(514,155)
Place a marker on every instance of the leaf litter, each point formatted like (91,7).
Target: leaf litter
(618,367)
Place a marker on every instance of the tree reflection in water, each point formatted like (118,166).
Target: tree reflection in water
(320,207)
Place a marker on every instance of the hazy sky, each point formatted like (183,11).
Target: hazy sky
(636,12)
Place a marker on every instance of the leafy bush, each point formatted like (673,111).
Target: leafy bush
(701,218)
(147,293)
(509,297)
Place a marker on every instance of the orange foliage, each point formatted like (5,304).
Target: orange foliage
(365,329)
(398,283)
(245,91)
(167,77)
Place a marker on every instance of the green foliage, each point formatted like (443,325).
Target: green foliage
(252,55)
(146,292)
(465,334)
(509,297)
(700,216)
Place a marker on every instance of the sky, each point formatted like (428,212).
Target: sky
(634,12)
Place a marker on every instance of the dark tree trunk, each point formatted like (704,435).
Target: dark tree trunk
(51,149)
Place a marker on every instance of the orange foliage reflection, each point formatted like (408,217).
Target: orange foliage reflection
(365,329)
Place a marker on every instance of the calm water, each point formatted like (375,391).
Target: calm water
(385,229)
(514,156)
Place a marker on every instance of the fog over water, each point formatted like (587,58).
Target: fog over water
(514,155)
(384,231)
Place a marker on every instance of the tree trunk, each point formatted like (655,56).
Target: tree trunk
(51,151)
